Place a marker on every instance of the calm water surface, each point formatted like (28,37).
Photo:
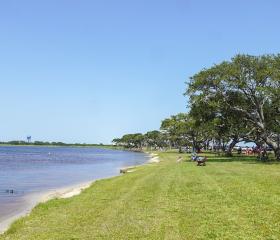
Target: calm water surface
(26,170)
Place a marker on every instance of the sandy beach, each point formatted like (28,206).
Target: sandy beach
(36,198)
(154,158)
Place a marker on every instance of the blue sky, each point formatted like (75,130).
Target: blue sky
(88,71)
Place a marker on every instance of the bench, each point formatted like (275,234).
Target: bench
(201,161)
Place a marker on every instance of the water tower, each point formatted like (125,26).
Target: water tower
(28,139)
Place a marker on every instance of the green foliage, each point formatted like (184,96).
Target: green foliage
(234,101)
(130,140)
(182,130)
(155,139)
(244,94)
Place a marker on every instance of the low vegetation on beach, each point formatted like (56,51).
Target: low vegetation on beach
(231,198)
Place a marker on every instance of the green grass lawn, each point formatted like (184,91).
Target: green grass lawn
(230,198)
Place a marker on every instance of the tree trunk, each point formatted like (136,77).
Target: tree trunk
(207,144)
(193,144)
(277,154)
(231,146)
(275,146)
(180,149)
(223,146)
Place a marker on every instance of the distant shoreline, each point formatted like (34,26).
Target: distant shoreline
(64,145)
(107,146)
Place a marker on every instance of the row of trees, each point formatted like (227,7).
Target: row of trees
(178,131)
(42,143)
(153,139)
(235,101)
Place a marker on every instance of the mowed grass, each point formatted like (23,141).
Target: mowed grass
(230,198)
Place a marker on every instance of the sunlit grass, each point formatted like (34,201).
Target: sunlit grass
(230,198)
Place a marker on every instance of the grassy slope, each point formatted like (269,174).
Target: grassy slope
(224,200)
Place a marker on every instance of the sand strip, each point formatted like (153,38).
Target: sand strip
(154,158)
(36,198)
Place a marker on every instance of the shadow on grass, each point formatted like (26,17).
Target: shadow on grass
(214,157)
(241,158)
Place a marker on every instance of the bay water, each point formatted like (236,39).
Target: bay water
(27,170)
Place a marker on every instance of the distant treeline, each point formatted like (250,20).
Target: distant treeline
(41,143)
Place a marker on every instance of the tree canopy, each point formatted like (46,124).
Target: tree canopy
(230,102)
(246,88)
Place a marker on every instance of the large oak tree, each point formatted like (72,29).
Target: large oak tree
(249,88)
